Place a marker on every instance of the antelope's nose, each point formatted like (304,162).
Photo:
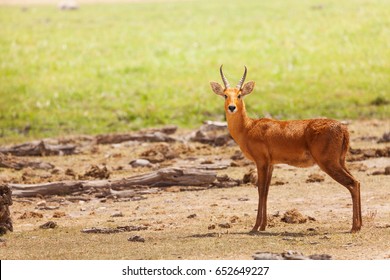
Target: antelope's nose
(232,108)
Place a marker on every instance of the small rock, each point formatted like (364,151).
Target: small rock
(117,214)
(191,216)
(320,257)
(267,256)
(136,238)
(225,225)
(140,163)
(385,138)
(48,225)
(70,172)
(41,203)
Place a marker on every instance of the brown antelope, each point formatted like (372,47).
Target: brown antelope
(300,143)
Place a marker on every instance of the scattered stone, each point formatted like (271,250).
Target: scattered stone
(191,216)
(140,163)
(70,172)
(48,225)
(224,225)
(386,171)
(117,214)
(41,203)
(385,138)
(313,178)
(136,238)
(363,154)
(267,256)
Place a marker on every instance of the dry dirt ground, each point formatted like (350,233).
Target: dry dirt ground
(202,223)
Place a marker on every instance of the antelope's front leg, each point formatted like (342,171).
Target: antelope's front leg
(264,174)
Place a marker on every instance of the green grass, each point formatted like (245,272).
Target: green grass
(107,68)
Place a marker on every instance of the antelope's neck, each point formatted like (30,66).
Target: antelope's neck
(238,124)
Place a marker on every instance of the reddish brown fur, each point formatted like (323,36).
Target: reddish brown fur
(300,143)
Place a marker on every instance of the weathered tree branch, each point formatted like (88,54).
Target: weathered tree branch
(161,178)
(38,148)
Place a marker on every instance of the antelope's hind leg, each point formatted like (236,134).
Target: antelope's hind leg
(341,174)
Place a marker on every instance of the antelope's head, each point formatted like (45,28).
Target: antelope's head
(233,96)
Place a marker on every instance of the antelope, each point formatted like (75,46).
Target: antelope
(300,143)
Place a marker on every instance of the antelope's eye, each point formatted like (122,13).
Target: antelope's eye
(239,96)
(225,96)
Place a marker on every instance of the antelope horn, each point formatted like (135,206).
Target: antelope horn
(225,81)
(239,85)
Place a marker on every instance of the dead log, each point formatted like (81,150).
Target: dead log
(8,161)
(166,177)
(38,148)
(54,188)
(152,135)
(174,177)
(161,178)
(5,203)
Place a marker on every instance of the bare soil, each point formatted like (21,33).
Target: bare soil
(308,211)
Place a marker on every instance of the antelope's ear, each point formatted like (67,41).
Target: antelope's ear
(217,88)
(247,88)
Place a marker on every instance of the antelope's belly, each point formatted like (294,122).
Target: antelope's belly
(297,159)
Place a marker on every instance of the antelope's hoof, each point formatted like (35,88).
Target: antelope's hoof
(355,230)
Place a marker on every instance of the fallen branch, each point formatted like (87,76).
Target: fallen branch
(153,135)
(38,148)
(131,186)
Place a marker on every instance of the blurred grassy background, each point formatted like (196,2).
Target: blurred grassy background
(118,67)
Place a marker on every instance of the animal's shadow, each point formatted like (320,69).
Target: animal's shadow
(268,234)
